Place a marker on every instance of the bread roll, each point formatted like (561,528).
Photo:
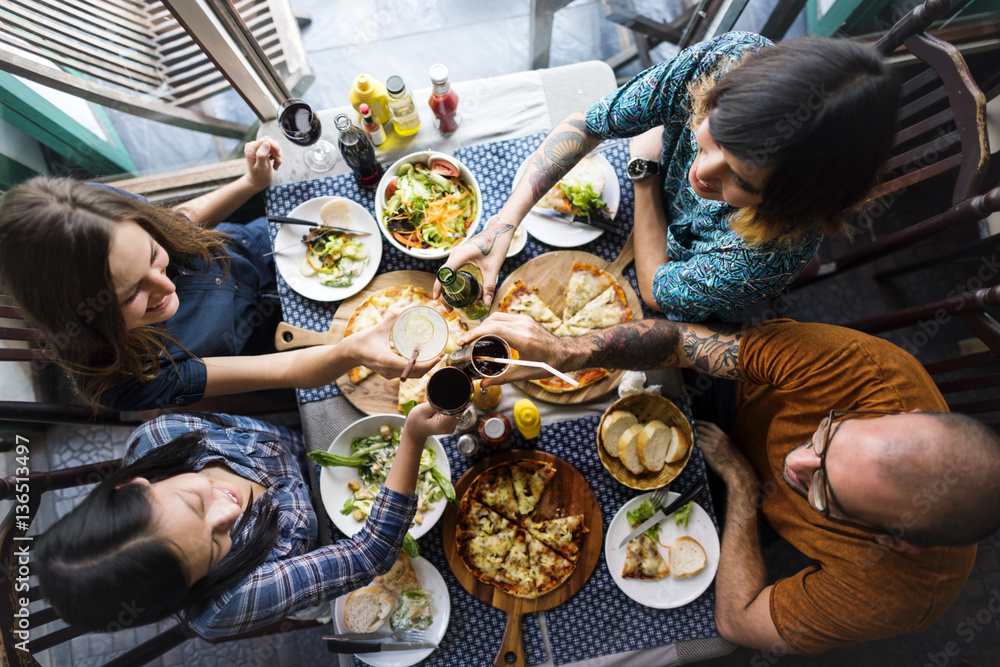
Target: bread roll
(687,558)
(679,446)
(336,213)
(628,449)
(367,608)
(653,442)
(614,425)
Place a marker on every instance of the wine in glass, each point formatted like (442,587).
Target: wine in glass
(300,125)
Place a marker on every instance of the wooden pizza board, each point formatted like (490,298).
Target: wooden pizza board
(549,273)
(568,493)
(375,394)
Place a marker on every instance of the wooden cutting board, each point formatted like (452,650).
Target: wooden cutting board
(568,492)
(549,273)
(375,394)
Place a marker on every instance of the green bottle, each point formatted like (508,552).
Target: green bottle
(463,292)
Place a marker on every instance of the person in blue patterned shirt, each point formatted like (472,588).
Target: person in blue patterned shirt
(760,150)
(211,518)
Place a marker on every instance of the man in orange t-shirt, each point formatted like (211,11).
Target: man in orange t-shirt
(866,496)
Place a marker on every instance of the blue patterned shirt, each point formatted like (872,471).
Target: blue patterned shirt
(296,574)
(711,271)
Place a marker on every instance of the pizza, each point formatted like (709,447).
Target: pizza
(593,300)
(643,560)
(501,539)
(373,310)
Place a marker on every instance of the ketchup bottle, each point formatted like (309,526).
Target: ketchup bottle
(443,101)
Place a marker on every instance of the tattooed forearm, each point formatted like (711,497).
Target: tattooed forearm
(487,239)
(713,350)
(640,345)
(558,153)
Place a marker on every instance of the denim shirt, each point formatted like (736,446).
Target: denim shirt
(217,316)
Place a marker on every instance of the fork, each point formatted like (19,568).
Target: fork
(659,497)
(402,634)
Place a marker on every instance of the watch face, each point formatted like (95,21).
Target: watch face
(636,168)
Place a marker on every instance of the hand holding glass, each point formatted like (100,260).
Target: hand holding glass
(300,125)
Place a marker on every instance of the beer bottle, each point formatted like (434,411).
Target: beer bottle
(462,291)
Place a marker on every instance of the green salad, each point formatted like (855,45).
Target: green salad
(337,258)
(428,207)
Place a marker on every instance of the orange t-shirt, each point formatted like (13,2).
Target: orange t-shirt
(857,590)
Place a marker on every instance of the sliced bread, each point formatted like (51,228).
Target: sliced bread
(687,558)
(614,425)
(628,449)
(653,442)
(679,446)
(336,213)
(367,608)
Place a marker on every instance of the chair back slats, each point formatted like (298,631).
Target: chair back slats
(968,302)
(917,156)
(131,26)
(985,381)
(12,333)
(54,638)
(974,360)
(910,87)
(22,354)
(985,328)
(922,127)
(43,617)
(975,407)
(922,103)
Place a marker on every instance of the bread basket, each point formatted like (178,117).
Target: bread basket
(646,407)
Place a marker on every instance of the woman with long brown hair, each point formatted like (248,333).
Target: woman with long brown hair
(151,307)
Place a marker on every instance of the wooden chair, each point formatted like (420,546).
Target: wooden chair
(978,372)
(942,128)
(46,629)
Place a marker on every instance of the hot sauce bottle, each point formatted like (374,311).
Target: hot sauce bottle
(443,101)
(494,429)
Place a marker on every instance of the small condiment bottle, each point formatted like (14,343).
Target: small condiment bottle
(494,429)
(443,101)
(371,126)
(402,110)
(527,419)
(467,445)
(488,399)
(371,91)
(468,420)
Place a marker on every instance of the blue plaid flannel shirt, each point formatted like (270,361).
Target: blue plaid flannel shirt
(296,575)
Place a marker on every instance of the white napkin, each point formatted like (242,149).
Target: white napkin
(633,382)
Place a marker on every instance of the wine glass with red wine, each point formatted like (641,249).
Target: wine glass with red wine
(300,125)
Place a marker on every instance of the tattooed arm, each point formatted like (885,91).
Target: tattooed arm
(559,152)
(647,344)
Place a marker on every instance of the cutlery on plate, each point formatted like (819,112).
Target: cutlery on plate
(402,634)
(297,244)
(569,218)
(351,646)
(689,494)
(310,223)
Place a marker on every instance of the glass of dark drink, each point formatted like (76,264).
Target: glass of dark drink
(485,346)
(449,390)
(300,125)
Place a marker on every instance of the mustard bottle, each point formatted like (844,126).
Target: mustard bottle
(369,90)
(527,419)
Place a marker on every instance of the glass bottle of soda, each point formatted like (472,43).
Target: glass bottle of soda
(358,152)
(462,291)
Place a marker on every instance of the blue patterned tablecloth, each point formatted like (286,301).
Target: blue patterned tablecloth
(494,166)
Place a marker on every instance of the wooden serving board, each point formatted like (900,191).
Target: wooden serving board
(375,394)
(567,493)
(549,273)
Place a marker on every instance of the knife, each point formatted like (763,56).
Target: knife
(689,494)
(310,223)
(569,218)
(345,646)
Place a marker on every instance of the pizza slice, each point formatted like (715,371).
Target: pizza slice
(475,519)
(530,478)
(608,309)
(515,576)
(484,555)
(495,489)
(549,568)
(643,560)
(564,535)
(586,283)
(521,299)
(586,376)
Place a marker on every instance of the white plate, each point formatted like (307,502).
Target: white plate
(668,592)
(333,481)
(288,260)
(518,241)
(464,174)
(432,582)
(561,234)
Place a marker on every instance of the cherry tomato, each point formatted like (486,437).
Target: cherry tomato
(444,168)
(390,189)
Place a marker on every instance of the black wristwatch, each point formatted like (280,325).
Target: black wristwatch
(639,168)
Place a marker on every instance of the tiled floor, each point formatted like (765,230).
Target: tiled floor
(478,39)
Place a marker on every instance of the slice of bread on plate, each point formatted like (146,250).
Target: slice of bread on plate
(653,443)
(367,608)
(687,558)
(628,449)
(679,446)
(614,425)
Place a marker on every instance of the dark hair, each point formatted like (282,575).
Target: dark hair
(59,227)
(102,569)
(823,113)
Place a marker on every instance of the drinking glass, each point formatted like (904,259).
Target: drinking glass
(300,125)
(486,346)
(449,390)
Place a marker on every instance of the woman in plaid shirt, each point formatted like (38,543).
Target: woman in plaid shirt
(211,518)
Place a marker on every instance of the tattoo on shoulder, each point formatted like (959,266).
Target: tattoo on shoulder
(487,239)
(713,349)
(639,345)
